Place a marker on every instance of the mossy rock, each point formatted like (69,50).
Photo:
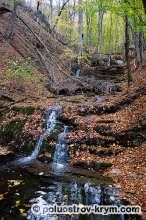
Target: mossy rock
(26,110)
(48,149)
(54,133)
(12,131)
(53,136)
(28,145)
(93,164)
(99,165)
(68,121)
(102,129)
(82,164)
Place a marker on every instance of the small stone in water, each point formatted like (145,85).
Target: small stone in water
(17,194)
(40,174)
(112,198)
(41,192)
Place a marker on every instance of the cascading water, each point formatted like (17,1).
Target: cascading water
(50,118)
(61,153)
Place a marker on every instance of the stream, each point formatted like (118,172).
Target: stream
(27,181)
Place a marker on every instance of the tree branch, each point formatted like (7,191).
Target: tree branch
(59,14)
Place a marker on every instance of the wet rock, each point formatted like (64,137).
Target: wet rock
(100,166)
(46,158)
(119,62)
(6,155)
(102,128)
(82,164)
(93,165)
(70,173)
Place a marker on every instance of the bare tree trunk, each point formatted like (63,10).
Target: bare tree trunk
(127,45)
(141,43)
(74,10)
(38,5)
(10,29)
(110,33)
(51,13)
(88,29)
(100,21)
(136,41)
(80,32)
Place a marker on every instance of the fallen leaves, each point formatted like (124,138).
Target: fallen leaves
(12,183)
(1,196)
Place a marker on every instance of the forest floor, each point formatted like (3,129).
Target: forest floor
(112,131)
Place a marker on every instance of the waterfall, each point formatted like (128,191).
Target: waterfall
(60,155)
(60,158)
(50,118)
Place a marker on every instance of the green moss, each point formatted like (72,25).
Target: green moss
(12,130)
(94,165)
(100,165)
(28,146)
(55,132)
(53,136)
(27,110)
(102,128)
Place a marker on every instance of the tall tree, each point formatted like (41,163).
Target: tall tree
(127,46)
(80,32)
(100,25)
(51,13)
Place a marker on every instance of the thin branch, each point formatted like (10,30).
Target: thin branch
(59,14)
(140,18)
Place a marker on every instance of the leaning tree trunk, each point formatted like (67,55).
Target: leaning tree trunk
(127,45)
(10,29)
(60,12)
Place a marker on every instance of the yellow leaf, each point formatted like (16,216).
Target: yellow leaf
(24,214)
(22,211)
(17,202)
(1,197)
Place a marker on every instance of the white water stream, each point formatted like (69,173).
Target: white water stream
(50,117)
